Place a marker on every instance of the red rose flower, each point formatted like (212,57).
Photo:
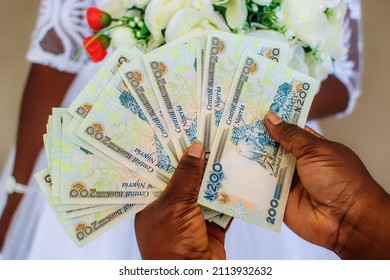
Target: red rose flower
(98,19)
(96,46)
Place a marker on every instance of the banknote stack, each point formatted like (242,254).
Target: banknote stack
(115,148)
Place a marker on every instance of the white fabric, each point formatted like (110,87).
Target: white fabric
(66,19)
(35,232)
(349,68)
(14,187)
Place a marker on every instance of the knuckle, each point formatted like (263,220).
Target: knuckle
(288,132)
(297,140)
(190,166)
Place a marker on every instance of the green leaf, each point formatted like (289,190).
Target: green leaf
(144,31)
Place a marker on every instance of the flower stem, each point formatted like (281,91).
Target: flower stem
(101,32)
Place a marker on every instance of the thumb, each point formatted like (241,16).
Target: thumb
(185,182)
(293,138)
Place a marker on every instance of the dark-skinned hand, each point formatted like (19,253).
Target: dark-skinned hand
(334,202)
(173,226)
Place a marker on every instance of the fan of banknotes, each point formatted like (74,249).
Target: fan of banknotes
(114,149)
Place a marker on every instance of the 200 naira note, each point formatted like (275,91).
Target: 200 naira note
(89,179)
(223,52)
(173,74)
(85,224)
(83,103)
(64,211)
(136,78)
(117,126)
(258,192)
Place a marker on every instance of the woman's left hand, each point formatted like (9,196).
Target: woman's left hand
(173,226)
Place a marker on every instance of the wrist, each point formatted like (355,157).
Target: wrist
(364,229)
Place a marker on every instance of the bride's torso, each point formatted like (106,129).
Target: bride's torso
(66,19)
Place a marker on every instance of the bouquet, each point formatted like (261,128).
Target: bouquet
(313,28)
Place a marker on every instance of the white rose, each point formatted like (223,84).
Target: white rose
(122,36)
(202,5)
(333,42)
(152,44)
(236,13)
(135,3)
(189,19)
(330,3)
(305,19)
(159,12)
(263,2)
(268,35)
(320,66)
(219,2)
(115,8)
(297,59)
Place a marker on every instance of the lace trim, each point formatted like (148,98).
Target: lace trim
(349,68)
(355,8)
(60,24)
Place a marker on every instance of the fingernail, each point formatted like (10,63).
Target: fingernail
(196,149)
(273,118)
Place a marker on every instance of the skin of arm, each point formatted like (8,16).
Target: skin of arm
(44,89)
(332,98)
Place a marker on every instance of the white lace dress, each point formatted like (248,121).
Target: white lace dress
(35,232)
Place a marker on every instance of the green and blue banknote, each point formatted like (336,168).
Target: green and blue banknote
(114,149)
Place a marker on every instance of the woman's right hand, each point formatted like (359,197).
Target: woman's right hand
(334,202)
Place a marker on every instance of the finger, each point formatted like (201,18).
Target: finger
(293,138)
(315,133)
(216,231)
(185,182)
